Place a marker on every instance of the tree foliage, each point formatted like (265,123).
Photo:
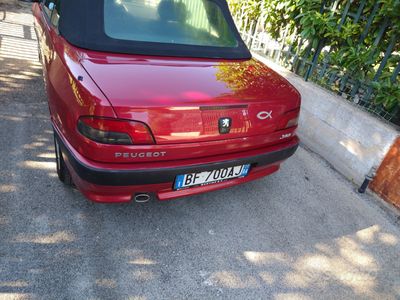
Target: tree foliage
(347,46)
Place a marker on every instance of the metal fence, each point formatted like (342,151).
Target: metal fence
(298,55)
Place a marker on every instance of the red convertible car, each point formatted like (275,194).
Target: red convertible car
(159,97)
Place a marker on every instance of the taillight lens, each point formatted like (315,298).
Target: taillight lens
(289,119)
(115,131)
(292,122)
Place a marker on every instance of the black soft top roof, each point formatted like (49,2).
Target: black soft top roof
(82,25)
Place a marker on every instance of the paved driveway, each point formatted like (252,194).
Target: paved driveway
(300,234)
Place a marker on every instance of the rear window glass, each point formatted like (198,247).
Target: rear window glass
(186,22)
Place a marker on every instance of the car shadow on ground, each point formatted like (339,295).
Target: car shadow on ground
(248,240)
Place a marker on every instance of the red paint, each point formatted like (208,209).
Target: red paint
(179,99)
(387,180)
(179,90)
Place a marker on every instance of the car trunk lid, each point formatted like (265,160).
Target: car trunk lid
(186,101)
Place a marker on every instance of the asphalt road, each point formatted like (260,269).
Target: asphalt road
(302,233)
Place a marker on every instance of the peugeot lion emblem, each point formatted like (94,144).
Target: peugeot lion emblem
(224,125)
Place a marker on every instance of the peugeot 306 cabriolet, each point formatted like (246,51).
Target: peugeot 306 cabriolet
(159,97)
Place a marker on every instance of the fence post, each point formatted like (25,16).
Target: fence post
(283,43)
(386,57)
(295,68)
(395,73)
(359,11)
(314,60)
(344,15)
(250,35)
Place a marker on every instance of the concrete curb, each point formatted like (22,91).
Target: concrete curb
(351,140)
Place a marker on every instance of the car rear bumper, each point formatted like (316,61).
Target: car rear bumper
(118,183)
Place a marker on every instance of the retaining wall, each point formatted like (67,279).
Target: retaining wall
(351,140)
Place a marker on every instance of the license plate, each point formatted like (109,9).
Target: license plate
(210,177)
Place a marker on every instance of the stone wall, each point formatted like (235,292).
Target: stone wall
(351,140)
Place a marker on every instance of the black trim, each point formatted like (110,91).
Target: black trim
(205,108)
(154,176)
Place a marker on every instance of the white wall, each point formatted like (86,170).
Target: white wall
(351,140)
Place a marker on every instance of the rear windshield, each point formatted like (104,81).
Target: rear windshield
(179,28)
(186,22)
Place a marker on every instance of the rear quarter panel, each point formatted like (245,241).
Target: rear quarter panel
(71,92)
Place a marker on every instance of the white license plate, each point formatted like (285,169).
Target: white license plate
(210,177)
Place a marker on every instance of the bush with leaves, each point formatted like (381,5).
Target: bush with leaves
(350,51)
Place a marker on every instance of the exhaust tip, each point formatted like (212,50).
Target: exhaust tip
(142,198)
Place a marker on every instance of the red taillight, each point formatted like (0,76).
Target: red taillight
(289,119)
(292,122)
(115,131)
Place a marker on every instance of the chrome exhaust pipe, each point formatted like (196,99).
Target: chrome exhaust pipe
(142,198)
